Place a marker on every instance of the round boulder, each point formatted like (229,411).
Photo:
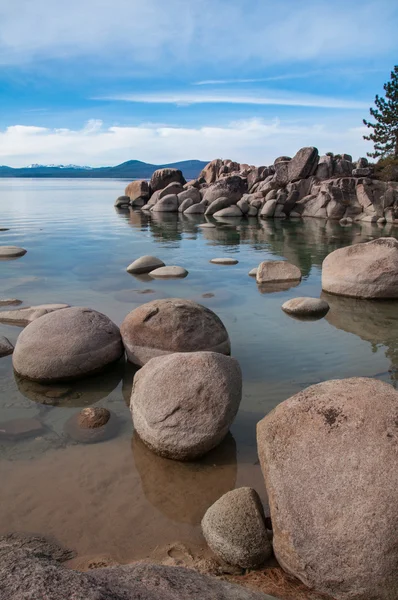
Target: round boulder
(277,271)
(172,325)
(144,264)
(92,425)
(234,528)
(311,308)
(329,456)
(6,347)
(163,177)
(122,202)
(11,251)
(67,344)
(171,272)
(367,270)
(183,404)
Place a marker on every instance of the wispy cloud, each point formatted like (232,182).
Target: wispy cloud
(254,141)
(187,98)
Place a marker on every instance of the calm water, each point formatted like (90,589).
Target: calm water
(117,498)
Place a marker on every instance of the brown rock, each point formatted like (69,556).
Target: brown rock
(368,270)
(172,325)
(183,404)
(303,164)
(6,347)
(162,177)
(306,307)
(144,264)
(11,251)
(328,456)
(277,271)
(137,189)
(92,425)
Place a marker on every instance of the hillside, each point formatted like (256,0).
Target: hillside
(128,170)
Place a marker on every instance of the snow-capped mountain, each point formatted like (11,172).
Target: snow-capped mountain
(38,166)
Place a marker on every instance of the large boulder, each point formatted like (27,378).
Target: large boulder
(232,187)
(168,203)
(303,164)
(67,344)
(183,404)
(329,456)
(173,188)
(162,177)
(192,193)
(31,567)
(172,325)
(144,264)
(234,528)
(368,270)
(137,190)
(211,170)
(277,271)
(231,211)
(219,204)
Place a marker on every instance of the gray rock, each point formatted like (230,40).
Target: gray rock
(137,190)
(192,193)
(325,167)
(174,188)
(28,314)
(328,456)
(171,272)
(219,204)
(10,302)
(211,171)
(183,404)
(244,205)
(224,261)
(276,271)
(364,172)
(306,307)
(303,164)
(6,347)
(362,163)
(11,251)
(232,187)
(366,270)
(252,212)
(231,211)
(185,204)
(234,528)
(172,325)
(253,272)
(20,429)
(281,177)
(198,208)
(67,344)
(122,202)
(268,210)
(144,264)
(162,177)
(167,203)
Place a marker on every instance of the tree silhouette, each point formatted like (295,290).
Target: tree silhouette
(385,129)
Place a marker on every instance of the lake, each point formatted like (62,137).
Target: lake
(116,499)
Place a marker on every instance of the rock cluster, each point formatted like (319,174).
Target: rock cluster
(156,268)
(307,185)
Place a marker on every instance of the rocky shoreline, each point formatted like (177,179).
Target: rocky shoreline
(307,185)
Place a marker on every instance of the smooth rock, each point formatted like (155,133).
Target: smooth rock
(20,429)
(183,404)
(191,193)
(92,425)
(207,226)
(6,347)
(11,251)
(167,203)
(268,209)
(276,271)
(232,187)
(231,211)
(224,261)
(234,528)
(253,272)
(219,204)
(185,204)
(306,307)
(10,302)
(169,272)
(303,164)
(122,202)
(145,264)
(173,188)
(172,325)
(137,190)
(366,270)
(162,177)
(67,344)
(196,209)
(328,456)
(28,314)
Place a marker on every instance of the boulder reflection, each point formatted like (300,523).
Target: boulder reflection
(184,491)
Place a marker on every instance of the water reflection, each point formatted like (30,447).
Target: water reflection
(373,321)
(83,392)
(184,491)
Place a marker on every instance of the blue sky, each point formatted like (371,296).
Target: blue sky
(99,82)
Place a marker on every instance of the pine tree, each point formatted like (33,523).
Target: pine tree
(385,130)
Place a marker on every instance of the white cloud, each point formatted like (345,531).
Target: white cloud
(205,32)
(187,98)
(254,141)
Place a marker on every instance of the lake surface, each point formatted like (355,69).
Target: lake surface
(117,499)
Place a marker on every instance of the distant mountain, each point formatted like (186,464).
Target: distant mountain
(132,169)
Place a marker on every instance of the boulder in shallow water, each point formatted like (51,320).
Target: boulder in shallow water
(20,429)
(11,251)
(144,264)
(224,261)
(276,271)
(231,211)
(367,270)
(6,347)
(167,203)
(122,202)
(137,190)
(311,308)
(329,456)
(67,344)
(92,425)
(234,528)
(162,177)
(24,316)
(172,325)
(170,272)
(183,404)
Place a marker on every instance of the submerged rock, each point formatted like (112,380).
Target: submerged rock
(67,344)
(367,270)
(169,272)
(6,347)
(224,261)
(92,425)
(277,271)
(183,404)
(24,316)
(19,429)
(234,528)
(11,251)
(328,456)
(306,307)
(172,325)
(10,302)
(144,264)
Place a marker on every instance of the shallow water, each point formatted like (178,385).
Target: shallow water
(116,498)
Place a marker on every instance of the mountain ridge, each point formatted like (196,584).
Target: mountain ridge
(131,169)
